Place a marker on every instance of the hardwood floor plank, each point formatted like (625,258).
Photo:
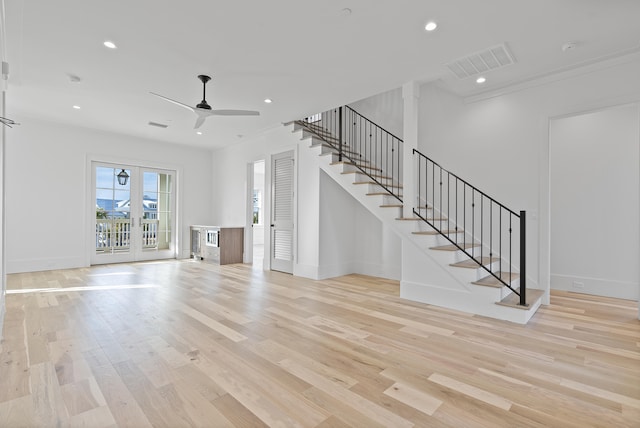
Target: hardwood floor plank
(420,401)
(185,343)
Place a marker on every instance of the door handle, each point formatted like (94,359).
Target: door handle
(273,225)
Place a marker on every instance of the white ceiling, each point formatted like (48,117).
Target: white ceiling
(307,56)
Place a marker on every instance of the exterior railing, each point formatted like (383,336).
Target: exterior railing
(484,229)
(115,234)
(372,149)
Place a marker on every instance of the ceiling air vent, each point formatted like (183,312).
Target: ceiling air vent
(480,62)
(159,125)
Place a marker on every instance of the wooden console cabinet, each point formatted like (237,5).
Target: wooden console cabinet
(221,245)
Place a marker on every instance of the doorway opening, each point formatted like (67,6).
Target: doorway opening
(257,213)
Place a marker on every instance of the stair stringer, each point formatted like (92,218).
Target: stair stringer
(426,275)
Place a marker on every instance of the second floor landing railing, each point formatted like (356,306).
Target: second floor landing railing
(376,152)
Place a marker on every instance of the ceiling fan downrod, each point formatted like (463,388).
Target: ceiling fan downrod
(203,104)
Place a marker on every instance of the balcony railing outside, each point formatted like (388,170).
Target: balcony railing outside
(115,235)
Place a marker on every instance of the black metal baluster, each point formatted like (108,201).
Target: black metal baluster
(456,229)
(440,216)
(448,201)
(490,228)
(500,244)
(473,221)
(510,243)
(340,135)
(523,258)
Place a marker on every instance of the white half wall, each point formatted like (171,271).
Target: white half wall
(46,189)
(595,202)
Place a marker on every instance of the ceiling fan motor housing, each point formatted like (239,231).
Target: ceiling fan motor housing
(203,104)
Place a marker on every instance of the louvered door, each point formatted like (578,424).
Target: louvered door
(282,170)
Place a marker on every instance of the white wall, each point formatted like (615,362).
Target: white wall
(46,189)
(500,142)
(383,109)
(595,202)
(352,240)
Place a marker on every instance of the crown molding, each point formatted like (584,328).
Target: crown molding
(586,67)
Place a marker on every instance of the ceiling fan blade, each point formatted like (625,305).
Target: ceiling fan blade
(199,121)
(235,112)
(173,101)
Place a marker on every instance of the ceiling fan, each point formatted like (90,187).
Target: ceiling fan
(203,110)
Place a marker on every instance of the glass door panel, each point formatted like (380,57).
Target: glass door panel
(113,219)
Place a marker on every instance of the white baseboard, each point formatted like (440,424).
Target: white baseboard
(332,271)
(37,265)
(305,271)
(379,270)
(595,286)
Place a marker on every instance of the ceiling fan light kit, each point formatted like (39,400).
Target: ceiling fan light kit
(203,109)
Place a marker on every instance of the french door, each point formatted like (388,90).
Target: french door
(282,174)
(134,213)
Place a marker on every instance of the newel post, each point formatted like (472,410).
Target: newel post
(340,137)
(410,95)
(523,258)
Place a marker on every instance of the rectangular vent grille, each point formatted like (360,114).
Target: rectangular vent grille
(480,62)
(159,125)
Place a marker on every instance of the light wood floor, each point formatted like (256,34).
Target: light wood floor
(182,343)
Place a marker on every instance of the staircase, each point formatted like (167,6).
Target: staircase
(445,260)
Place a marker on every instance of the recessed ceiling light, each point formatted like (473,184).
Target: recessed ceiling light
(199,132)
(481,80)
(268,100)
(110,44)
(430,26)
(76,107)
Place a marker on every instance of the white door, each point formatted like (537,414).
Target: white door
(134,213)
(282,173)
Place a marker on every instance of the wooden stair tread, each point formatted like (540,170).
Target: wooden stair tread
(378,184)
(452,247)
(513,300)
(435,232)
(472,264)
(344,154)
(408,218)
(382,194)
(391,206)
(382,177)
(349,163)
(344,151)
(491,281)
